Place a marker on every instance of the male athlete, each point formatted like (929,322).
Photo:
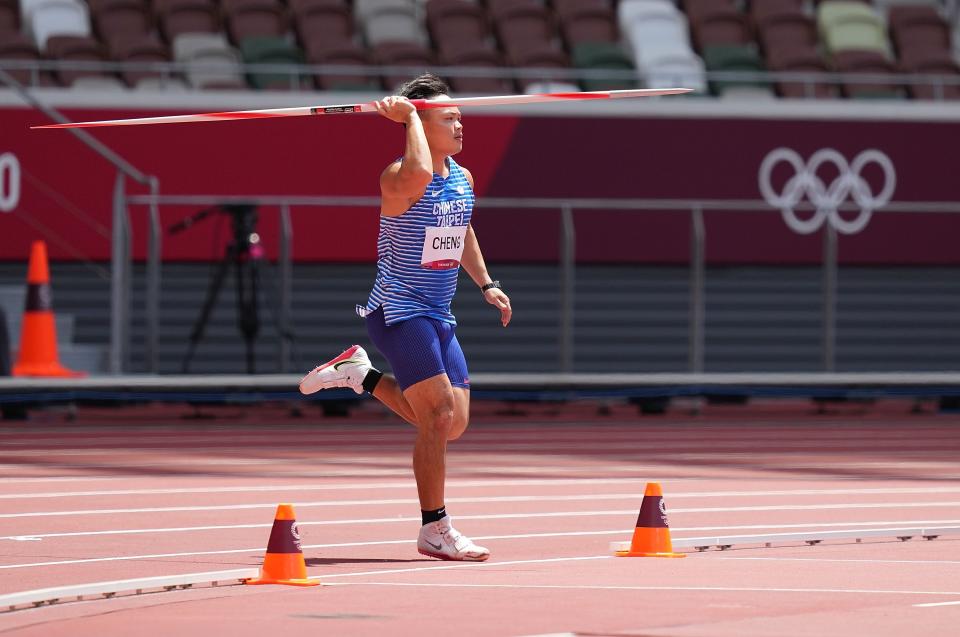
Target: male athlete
(425,236)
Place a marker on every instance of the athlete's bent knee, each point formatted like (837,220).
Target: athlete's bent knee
(440,421)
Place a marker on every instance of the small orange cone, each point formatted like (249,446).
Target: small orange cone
(651,538)
(38,334)
(283,563)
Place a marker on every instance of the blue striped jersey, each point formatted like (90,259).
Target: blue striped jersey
(418,252)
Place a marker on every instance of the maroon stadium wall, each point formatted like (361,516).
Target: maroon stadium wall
(66,190)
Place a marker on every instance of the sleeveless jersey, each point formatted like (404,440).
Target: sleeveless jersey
(418,252)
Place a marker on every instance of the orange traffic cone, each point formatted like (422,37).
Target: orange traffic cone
(283,563)
(38,334)
(651,538)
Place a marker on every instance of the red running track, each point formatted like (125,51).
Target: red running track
(138,493)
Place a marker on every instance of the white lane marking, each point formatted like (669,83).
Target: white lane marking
(498,516)
(599,587)
(56,478)
(933,604)
(447,567)
(833,559)
(521,498)
(335,487)
(481,483)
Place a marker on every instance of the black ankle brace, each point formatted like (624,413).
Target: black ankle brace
(371,379)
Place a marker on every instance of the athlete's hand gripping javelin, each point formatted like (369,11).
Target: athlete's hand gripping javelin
(396,108)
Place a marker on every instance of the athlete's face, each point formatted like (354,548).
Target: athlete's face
(443,128)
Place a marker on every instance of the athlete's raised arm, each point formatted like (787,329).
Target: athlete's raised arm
(407,178)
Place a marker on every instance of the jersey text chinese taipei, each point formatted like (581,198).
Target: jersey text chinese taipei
(418,252)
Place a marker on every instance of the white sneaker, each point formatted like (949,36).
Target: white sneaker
(347,370)
(439,539)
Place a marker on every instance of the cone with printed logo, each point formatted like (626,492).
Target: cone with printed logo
(283,563)
(38,332)
(651,538)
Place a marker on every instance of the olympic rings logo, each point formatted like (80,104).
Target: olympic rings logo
(827,198)
(9,182)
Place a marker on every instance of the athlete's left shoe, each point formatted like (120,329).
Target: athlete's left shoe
(347,370)
(439,539)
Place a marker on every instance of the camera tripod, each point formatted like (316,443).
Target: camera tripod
(244,255)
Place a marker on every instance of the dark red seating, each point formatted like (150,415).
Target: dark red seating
(77,49)
(866,62)
(584,21)
(718,26)
(345,54)
(138,48)
(522,24)
(118,19)
(457,24)
(186,16)
(545,57)
(932,62)
(322,20)
(482,57)
(402,54)
(16,46)
(918,28)
(9,17)
(800,59)
(254,18)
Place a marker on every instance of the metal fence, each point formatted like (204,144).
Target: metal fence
(298,76)
(286,207)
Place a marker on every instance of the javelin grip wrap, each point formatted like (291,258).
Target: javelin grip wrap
(653,512)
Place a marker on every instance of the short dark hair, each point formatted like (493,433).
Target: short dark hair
(426,86)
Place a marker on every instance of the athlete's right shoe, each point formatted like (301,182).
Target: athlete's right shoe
(439,539)
(347,370)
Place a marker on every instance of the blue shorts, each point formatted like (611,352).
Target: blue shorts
(418,349)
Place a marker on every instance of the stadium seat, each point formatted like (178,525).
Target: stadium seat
(271,50)
(456,24)
(254,19)
(522,25)
(544,57)
(932,62)
(322,20)
(402,54)
(16,46)
(782,22)
(869,63)
(733,57)
(800,59)
(179,17)
(720,26)
(341,54)
(918,27)
(219,61)
(481,57)
(602,56)
(49,18)
(9,17)
(845,26)
(141,48)
(118,19)
(586,21)
(74,48)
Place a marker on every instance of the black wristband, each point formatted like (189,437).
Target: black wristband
(492,284)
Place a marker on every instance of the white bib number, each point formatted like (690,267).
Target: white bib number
(443,247)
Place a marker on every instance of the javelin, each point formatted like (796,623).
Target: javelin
(370,107)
